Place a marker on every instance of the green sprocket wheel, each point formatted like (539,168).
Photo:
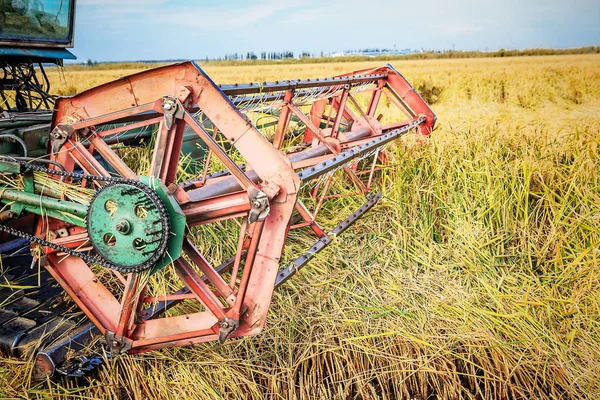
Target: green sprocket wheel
(128,226)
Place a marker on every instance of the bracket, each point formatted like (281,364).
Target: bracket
(59,136)
(259,203)
(226,326)
(117,344)
(172,109)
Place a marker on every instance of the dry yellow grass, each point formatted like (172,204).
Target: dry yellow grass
(477,277)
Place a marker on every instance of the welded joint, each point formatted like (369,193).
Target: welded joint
(271,190)
(185,96)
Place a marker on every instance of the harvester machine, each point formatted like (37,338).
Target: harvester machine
(163,209)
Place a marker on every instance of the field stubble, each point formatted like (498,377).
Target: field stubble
(477,277)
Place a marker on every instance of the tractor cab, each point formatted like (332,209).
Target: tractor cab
(38,30)
(33,33)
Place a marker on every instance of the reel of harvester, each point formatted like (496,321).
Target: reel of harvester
(273,154)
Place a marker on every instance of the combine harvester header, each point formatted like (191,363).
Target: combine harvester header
(265,158)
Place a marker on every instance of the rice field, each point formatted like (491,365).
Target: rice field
(476,277)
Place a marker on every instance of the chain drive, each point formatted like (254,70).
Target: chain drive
(94,259)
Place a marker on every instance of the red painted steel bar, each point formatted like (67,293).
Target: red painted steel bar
(284,120)
(127,127)
(199,288)
(111,157)
(207,269)
(128,304)
(339,113)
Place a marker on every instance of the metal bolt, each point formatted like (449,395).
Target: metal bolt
(116,343)
(256,204)
(123,227)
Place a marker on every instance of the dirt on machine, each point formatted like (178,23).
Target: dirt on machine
(84,233)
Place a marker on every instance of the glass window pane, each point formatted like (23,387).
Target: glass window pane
(35,20)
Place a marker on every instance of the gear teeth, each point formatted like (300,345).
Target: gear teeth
(150,201)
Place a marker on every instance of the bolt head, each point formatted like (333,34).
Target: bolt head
(123,227)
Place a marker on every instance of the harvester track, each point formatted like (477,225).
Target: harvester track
(34,310)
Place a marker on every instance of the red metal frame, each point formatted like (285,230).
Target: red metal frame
(239,304)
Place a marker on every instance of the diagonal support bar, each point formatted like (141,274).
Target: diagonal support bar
(208,271)
(323,242)
(198,287)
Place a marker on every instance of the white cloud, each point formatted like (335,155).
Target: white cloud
(213,18)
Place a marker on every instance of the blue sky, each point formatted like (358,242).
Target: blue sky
(114,30)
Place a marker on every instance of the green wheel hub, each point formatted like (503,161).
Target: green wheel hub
(128,226)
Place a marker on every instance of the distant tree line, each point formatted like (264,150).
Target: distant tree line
(371,50)
(306,57)
(265,55)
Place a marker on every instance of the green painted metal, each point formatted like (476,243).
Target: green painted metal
(70,207)
(34,132)
(29,187)
(63,210)
(116,207)
(9,168)
(47,212)
(176,218)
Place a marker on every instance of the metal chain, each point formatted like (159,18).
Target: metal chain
(96,259)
